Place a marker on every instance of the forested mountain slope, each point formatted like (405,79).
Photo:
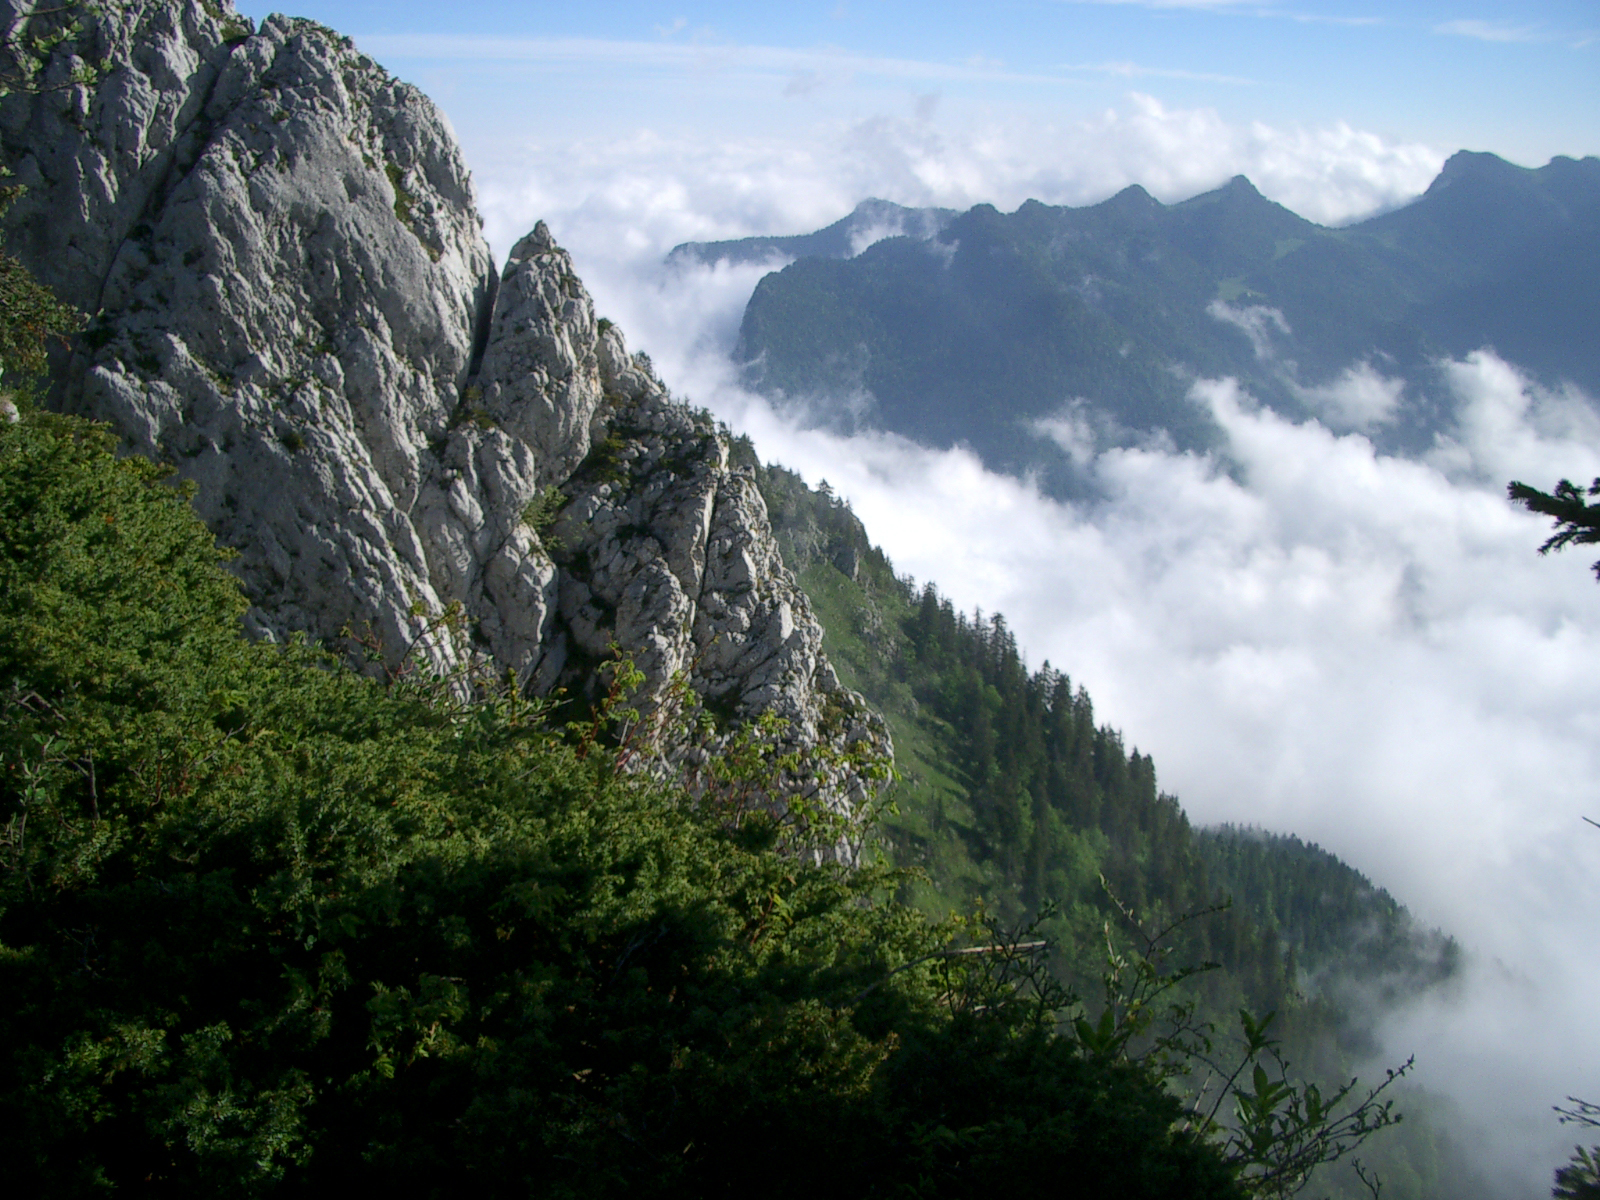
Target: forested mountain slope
(1013,797)
(271,927)
(1011,791)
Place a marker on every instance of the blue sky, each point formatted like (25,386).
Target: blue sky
(633,126)
(1521,80)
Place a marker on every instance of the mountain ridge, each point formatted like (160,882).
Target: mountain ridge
(871,219)
(999,322)
(291,303)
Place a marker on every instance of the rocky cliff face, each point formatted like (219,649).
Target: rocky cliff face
(292,303)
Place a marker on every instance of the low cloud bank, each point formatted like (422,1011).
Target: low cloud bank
(1360,649)
(1314,637)
(640,195)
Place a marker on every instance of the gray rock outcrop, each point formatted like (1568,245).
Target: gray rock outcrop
(291,302)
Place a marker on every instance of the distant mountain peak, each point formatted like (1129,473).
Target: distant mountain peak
(873,206)
(1134,197)
(1473,165)
(1237,192)
(868,222)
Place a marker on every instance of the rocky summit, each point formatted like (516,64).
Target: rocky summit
(290,300)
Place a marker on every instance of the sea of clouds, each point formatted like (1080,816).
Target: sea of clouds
(1307,635)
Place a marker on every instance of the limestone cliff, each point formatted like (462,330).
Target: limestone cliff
(291,302)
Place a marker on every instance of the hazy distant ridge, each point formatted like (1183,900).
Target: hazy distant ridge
(1042,336)
(870,222)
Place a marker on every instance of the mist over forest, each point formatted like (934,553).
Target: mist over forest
(1308,633)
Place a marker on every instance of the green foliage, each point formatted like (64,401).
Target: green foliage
(403,199)
(1279,1128)
(1011,793)
(1580,1178)
(1577,523)
(606,461)
(267,926)
(30,316)
(1281,1131)
(1337,926)
(540,513)
(30,38)
(235,29)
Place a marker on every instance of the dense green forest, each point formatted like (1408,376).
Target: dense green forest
(269,925)
(1340,931)
(1012,792)
(1013,797)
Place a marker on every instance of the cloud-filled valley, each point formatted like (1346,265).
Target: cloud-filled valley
(1317,638)
(1307,634)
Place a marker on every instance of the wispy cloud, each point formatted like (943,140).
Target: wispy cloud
(1491,31)
(669,55)
(1249,627)
(1133,70)
(1200,5)
(1323,19)
(802,83)
(1359,647)
(644,193)
(1237,8)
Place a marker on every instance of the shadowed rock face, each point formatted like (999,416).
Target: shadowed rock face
(291,302)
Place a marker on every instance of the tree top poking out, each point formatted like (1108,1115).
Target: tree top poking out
(1577,523)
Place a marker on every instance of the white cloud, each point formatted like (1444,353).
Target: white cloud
(1257,322)
(802,83)
(1254,7)
(633,198)
(1240,8)
(698,54)
(1490,31)
(1361,397)
(1073,430)
(1522,432)
(1362,649)
(1132,70)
